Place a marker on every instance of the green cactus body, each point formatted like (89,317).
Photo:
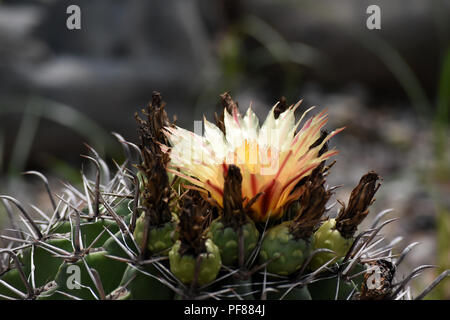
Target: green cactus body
(244,288)
(13,279)
(326,289)
(160,239)
(328,237)
(183,266)
(110,271)
(144,287)
(294,294)
(125,297)
(63,227)
(122,209)
(45,264)
(298,294)
(227,239)
(90,230)
(142,180)
(113,248)
(288,253)
(45,267)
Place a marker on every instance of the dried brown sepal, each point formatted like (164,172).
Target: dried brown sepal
(156,193)
(156,189)
(377,283)
(280,107)
(193,223)
(233,211)
(227,104)
(312,206)
(361,198)
(220,122)
(156,120)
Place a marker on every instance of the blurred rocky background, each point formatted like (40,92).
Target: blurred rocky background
(60,88)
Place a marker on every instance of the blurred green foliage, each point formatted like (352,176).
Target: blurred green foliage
(67,117)
(438,175)
(442,175)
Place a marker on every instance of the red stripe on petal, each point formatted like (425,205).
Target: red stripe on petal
(266,197)
(253,184)
(335,132)
(225,168)
(322,113)
(307,124)
(235,117)
(321,124)
(214,187)
(283,164)
(299,175)
(331,153)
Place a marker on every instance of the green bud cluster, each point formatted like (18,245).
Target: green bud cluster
(159,239)
(184,266)
(227,239)
(282,251)
(328,237)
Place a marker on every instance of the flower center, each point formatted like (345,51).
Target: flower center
(251,156)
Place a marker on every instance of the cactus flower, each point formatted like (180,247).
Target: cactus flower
(273,158)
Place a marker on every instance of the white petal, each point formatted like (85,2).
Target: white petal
(187,147)
(286,127)
(267,131)
(250,124)
(214,136)
(233,129)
